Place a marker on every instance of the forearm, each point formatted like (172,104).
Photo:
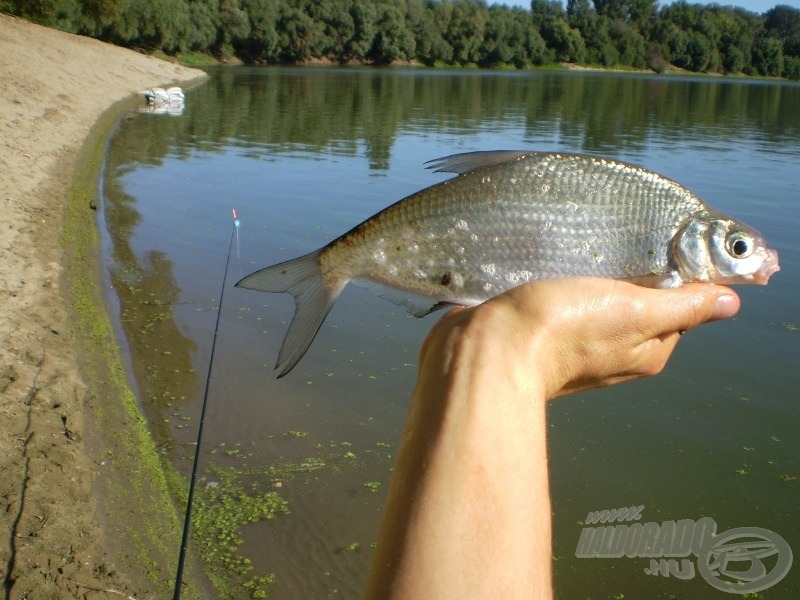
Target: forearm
(468,514)
(469,511)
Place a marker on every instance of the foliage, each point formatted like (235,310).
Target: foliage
(627,33)
(393,41)
(510,39)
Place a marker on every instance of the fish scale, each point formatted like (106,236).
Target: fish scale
(509,218)
(581,239)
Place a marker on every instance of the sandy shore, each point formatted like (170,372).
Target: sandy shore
(55,525)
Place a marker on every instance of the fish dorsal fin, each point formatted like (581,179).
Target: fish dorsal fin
(470,161)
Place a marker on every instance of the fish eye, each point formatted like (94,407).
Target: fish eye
(740,245)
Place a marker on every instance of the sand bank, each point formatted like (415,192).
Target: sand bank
(62,532)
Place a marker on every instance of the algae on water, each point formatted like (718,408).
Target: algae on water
(222,508)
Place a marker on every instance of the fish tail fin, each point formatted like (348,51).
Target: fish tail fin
(313,300)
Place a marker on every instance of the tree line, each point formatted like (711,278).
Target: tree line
(610,33)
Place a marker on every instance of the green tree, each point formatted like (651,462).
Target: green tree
(698,37)
(337,27)
(496,48)
(102,11)
(642,11)
(510,38)
(594,29)
(564,42)
(699,52)
(581,15)
(736,30)
(628,11)
(393,40)
(260,45)
(203,25)
(791,67)
(156,25)
(613,9)
(37,11)
(430,44)
(234,27)
(783,23)
(630,45)
(364,15)
(535,46)
(298,35)
(465,29)
(768,56)
(707,37)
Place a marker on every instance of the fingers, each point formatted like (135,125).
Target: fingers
(684,308)
(607,332)
(581,333)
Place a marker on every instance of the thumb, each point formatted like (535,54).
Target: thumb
(695,303)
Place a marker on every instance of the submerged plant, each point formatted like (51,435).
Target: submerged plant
(219,512)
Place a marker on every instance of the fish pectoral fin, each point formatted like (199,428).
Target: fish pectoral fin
(416,304)
(662,281)
(470,161)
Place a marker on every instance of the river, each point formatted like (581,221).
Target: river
(304,154)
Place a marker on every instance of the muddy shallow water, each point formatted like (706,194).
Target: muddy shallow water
(305,154)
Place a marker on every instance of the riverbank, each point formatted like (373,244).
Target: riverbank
(85,508)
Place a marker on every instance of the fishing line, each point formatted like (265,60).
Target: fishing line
(188,517)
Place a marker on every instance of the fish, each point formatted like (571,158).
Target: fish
(511,217)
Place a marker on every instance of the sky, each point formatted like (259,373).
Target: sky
(757,6)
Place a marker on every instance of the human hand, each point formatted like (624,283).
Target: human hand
(565,335)
(478,418)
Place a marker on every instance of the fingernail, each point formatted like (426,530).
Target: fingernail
(725,307)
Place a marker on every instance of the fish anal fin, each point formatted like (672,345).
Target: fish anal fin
(418,305)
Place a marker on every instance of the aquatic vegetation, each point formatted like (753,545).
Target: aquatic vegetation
(222,508)
(258,585)
(296,434)
(235,498)
(138,456)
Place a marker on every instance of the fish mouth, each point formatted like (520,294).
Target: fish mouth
(767,268)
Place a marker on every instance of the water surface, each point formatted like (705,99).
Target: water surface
(305,154)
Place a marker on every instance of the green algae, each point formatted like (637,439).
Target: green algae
(148,542)
(235,498)
(222,508)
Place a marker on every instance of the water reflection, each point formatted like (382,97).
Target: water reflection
(148,293)
(339,110)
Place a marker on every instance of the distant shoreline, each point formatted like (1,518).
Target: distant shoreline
(671,71)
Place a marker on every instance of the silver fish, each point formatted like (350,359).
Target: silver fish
(513,217)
